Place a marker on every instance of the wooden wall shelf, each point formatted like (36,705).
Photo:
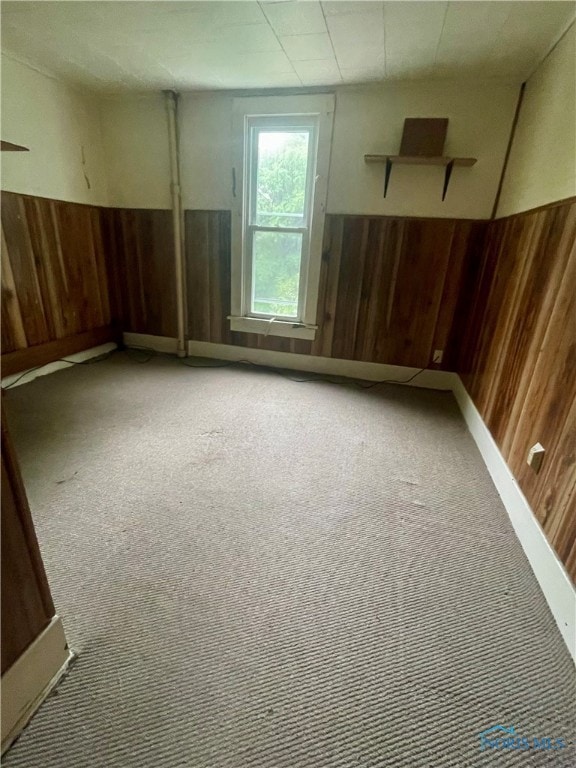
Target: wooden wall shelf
(447,162)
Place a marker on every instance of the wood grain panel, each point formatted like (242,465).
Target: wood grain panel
(27,606)
(207,239)
(388,293)
(54,280)
(139,253)
(18,251)
(518,358)
(328,288)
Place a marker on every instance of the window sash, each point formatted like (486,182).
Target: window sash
(280,124)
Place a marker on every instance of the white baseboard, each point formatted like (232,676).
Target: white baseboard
(309,363)
(156,343)
(25,377)
(331,366)
(30,679)
(548,569)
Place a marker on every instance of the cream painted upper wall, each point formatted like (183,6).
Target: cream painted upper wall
(542,164)
(206,151)
(370,121)
(137,157)
(60,127)
(135,131)
(367,120)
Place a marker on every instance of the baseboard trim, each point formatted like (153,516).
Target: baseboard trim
(41,354)
(355,369)
(30,679)
(548,569)
(155,343)
(26,377)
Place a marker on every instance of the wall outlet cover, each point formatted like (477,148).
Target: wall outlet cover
(535,456)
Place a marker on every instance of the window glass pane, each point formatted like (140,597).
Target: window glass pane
(276,273)
(281,178)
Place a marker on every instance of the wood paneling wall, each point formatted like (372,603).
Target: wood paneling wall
(74,275)
(54,279)
(207,243)
(139,247)
(389,287)
(27,606)
(518,358)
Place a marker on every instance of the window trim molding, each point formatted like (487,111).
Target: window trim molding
(266,327)
(322,106)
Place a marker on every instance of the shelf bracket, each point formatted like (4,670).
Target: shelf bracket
(447,175)
(387,173)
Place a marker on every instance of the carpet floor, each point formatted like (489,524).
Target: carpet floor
(260,572)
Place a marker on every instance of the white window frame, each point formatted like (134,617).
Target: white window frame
(315,112)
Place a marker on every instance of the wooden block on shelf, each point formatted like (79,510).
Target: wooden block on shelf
(424,136)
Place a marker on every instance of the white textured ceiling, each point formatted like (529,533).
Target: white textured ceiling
(116,46)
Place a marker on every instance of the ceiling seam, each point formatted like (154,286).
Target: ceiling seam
(384,40)
(331,43)
(440,37)
(551,50)
(66,82)
(280,43)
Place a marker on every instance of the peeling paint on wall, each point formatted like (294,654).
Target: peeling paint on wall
(86,179)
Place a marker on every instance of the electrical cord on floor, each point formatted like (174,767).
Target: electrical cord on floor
(344,381)
(151,353)
(218,364)
(91,361)
(30,370)
(129,352)
(281,372)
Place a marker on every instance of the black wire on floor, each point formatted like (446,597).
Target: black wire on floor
(344,381)
(92,361)
(133,354)
(129,352)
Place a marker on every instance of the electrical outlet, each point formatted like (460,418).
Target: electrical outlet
(535,456)
(437,356)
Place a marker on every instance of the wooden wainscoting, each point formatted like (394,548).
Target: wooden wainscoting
(35,653)
(389,287)
(27,606)
(207,243)
(518,358)
(139,246)
(54,281)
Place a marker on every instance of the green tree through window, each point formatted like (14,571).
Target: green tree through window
(280,202)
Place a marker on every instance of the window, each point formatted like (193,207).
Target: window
(282,164)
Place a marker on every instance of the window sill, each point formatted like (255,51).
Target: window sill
(272,328)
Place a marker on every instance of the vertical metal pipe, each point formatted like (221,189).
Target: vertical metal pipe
(172,110)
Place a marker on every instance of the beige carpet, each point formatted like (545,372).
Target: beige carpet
(258,572)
